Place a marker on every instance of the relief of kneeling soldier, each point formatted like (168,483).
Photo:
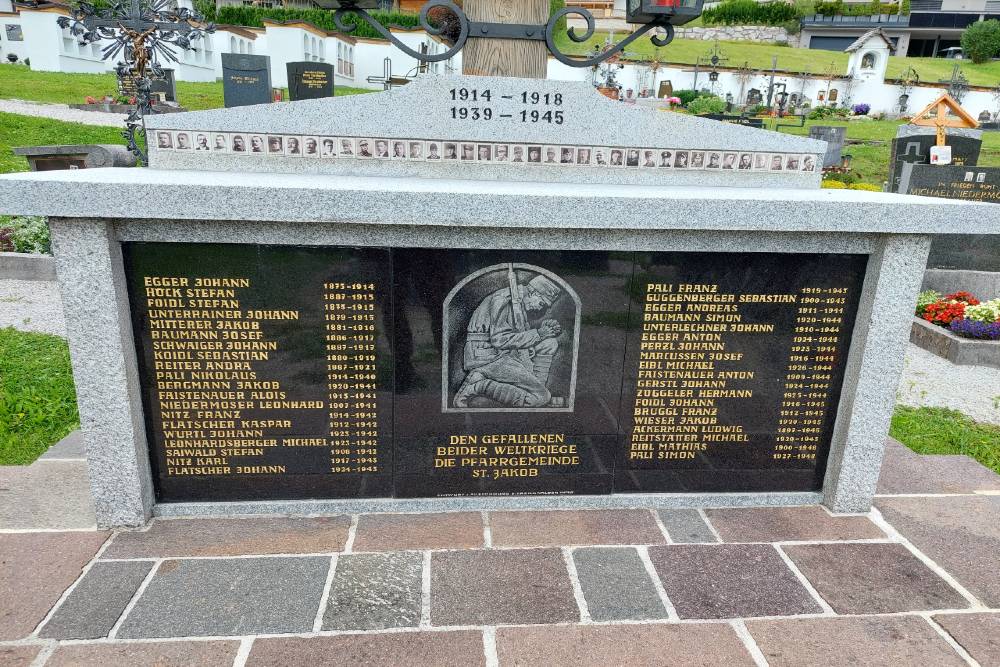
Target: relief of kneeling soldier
(505,360)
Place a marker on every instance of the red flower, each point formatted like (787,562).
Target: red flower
(943,312)
(964,297)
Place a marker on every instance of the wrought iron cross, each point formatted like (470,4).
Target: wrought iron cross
(143,32)
(958,85)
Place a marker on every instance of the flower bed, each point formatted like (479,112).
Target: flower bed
(961,313)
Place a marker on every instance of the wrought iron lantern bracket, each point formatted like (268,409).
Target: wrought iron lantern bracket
(345,11)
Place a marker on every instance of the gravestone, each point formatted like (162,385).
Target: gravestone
(165,86)
(968,252)
(309,80)
(834,138)
(81,156)
(14,32)
(913,145)
(754,97)
(748,121)
(428,299)
(665,89)
(246,79)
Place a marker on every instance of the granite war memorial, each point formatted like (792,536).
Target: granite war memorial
(524,296)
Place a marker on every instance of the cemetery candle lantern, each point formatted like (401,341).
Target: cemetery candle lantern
(674,12)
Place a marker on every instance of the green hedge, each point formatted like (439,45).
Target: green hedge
(838,8)
(748,12)
(254,17)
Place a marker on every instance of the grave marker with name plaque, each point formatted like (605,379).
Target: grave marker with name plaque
(246,79)
(309,80)
(529,313)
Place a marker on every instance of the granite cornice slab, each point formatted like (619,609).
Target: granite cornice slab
(198,195)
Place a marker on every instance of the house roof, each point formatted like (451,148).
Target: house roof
(874,32)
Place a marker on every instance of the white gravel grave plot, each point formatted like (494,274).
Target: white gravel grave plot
(931,381)
(32,305)
(62,112)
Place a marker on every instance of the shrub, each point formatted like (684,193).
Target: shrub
(29,234)
(708,104)
(748,12)
(844,177)
(685,96)
(904,8)
(833,185)
(981,40)
(870,187)
(820,113)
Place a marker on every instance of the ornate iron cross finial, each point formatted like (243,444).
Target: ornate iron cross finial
(958,85)
(142,32)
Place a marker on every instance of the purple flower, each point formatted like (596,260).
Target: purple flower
(975,329)
(861,109)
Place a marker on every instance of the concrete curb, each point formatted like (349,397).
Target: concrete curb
(22,266)
(957,350)
(983,284)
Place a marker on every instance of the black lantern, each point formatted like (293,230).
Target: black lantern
(713,76)
(674,12)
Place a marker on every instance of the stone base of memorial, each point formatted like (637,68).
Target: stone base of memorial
(125,108)
(473,293)
(957,350)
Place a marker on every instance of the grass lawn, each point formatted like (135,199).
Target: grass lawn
(870,160)
(21,83)
(942,431)
(687,51)
(17,130)
(37,396)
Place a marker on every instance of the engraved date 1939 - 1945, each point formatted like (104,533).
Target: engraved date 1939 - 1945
(538,106)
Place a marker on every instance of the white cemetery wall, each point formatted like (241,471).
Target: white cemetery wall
(20,49)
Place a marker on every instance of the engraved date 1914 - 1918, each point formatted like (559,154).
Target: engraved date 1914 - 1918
(483,111)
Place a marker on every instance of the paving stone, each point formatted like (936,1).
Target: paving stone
(413,649)
(92,609)
(146,654)
(599,646)
(905,471)
(616,585)
(232,537)
(18,656)
(503,586)
(872,641)
(229,596)
(35,569)
(961,534)
(27,501)
(70,447)
(729,581)
(872,578)
(780,524)
(401,532)
(375,591)
(572,527)
(687,526)
(979,634)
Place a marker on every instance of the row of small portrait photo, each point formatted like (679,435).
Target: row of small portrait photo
(308,146)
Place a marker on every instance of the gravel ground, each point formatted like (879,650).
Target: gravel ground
(62,112)
(929,380)
(32,305)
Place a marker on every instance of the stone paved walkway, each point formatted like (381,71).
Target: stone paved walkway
(915,582)
(62,112)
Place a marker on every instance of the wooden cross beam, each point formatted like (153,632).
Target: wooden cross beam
(941,106)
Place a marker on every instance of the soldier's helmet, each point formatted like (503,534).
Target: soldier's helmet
(545,287)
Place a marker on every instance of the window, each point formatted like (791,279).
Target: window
(868,60)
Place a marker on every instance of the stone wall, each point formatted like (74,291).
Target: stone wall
(740,33)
